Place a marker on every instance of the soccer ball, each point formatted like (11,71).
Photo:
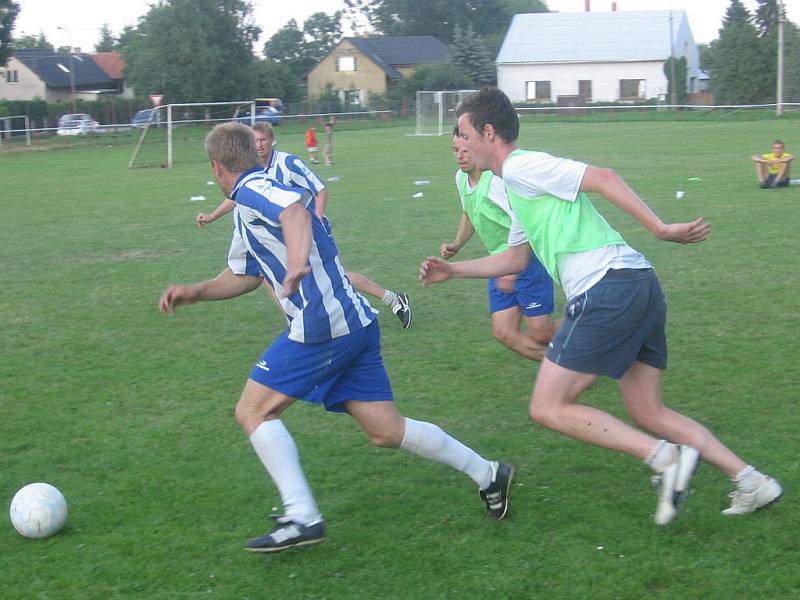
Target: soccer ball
(38,510)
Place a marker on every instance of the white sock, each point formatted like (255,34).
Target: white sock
(389,298)
(748,479)
(429,441)
(662,456)
(275,447)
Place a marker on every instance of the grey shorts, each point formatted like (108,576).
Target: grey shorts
(618,321)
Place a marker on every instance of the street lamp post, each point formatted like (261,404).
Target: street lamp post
(71,68)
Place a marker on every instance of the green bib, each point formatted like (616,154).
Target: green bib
(556,226)
(489,220)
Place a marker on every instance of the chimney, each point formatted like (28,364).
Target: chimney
(587,5)
(613,7)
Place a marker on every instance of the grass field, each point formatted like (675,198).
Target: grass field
(129,413)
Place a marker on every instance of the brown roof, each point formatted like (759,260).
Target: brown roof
(111,63)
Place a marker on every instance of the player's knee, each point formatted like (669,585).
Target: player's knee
(385,439)
(502,334)
(542,414)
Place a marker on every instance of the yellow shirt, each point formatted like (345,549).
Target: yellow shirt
(775,168)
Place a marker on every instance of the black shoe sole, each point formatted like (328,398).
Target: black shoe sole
(273,549)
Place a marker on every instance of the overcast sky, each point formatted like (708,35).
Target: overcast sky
(83,18)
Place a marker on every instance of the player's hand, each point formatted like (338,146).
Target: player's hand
(686,233)
(506,284)
(434,270)
(174,296)
(291,282)
(448,249)
(202,219)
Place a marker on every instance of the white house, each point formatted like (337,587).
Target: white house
(599,56)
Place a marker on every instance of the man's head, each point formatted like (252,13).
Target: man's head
(777,148)
(328,127)
(231,148)
(486,120)
(265,140)
(461,154)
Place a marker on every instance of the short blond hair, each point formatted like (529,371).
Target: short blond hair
(265,128)
(233,145)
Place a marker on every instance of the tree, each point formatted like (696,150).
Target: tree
(680,79)
(124,38)
(468,53)
(322,32)
(193,51)
(741,69)
(276,80)
(302,49)
(107,43)
(8,14)
(431,77)
(33,41)
(437,17)
(766,16)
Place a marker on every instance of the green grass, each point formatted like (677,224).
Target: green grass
(129,413)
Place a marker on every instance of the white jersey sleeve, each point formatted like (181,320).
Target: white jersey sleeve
(540,174)
(516,236)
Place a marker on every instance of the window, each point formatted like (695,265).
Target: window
(351,97)
(631,89)
(537,91)
(585,89)
(12,76)
(346,63)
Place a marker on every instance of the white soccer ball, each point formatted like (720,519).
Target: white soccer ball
(38,510)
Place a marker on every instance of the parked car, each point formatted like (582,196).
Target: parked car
(77,124)
(264,114)
(143,117)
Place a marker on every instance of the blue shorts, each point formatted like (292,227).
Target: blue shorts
(618,321)
(533,292)
(348,367)
(770,180)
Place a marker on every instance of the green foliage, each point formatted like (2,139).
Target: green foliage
(33,41)
(680,76)
(193,51)
(302,49)
(8,14)
(741,65)
(107,42)
(276,80)
(439,18)
(431,77)
(468,52)
(766,16)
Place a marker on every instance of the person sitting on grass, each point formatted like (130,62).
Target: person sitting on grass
(772,168)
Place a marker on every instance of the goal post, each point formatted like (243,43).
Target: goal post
(176,131)
(9,125)
(436,110)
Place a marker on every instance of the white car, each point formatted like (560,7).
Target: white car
(77,124)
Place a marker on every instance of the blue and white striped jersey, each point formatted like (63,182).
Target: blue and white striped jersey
(288,169)
(326,306)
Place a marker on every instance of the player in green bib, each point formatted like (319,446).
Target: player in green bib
(487,212)
(615,317)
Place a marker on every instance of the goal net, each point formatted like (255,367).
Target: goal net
(791,64)
(436,110)
(174,133)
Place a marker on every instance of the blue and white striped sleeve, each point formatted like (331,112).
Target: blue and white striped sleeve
(302,176)
(240,261)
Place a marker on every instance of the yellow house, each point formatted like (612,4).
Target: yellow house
(360,66)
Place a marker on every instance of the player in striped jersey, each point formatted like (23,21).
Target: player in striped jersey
(288,169)
(329,355)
